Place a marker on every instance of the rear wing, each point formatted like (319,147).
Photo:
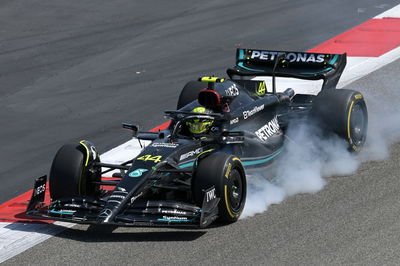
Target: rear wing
(310,66)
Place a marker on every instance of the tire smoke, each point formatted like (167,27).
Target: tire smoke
(309,158)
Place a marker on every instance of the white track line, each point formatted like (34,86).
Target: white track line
(358,67)
(18,237)
(391,13)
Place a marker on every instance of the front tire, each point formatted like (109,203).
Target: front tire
(226,173)
(69,174)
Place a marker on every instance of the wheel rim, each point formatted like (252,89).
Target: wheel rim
(235,190)
(357,125)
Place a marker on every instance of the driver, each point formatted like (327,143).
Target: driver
(199,126)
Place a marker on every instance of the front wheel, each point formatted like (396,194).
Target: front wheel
(226,173)
(72,173)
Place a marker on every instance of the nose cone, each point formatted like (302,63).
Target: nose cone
(115,201)
(104,216)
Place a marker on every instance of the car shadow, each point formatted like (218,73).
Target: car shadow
(107,234)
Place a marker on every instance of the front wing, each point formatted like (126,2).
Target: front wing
(86,210)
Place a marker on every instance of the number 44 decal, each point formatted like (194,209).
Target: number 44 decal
(145,158)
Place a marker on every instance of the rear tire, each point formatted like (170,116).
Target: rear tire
(69,176)
(344,113)
(190,92)
(226,173)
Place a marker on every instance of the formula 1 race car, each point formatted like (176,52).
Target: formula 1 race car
(194,171)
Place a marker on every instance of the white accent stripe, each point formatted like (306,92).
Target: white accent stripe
(119,154)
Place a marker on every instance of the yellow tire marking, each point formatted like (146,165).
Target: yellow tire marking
(348,122)
(358,96)
(87,151)
(236,159)
(82,142)
(201,153)
(227,203)
(228,170)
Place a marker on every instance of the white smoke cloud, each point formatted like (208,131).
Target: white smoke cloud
(310,158)
(384,125)
(307,159)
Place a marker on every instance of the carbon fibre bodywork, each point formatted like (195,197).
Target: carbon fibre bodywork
(248,121)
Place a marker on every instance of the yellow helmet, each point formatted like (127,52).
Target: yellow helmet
(199,126)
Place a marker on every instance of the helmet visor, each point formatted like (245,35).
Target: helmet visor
(198,126)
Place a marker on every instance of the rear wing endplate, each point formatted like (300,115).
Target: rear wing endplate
(311,66)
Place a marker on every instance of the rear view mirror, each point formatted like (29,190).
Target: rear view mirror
(132,127)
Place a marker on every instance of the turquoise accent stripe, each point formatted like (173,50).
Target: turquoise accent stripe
(58,212)
(186,165)
(245,163)
(241,57)
(241,54)
(260,161)
(334,59)
(248,68)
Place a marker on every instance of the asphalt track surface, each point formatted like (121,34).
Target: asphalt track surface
(76,70)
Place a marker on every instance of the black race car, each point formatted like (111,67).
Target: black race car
(194,171)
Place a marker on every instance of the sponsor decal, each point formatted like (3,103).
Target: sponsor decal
(261,89)
(66,211)
(138,172)
(175,218)
(94,153)
(232,90)
(72,205)
(149,157)
(214,129)
(117,197)
(256,109)
(190,154)
(291,57)
(268,129)
(135,197)
(234,120)
(173,212)
(39,190)
(164,145)
(210,195)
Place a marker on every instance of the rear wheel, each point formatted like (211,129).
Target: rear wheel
(226,173)
(343,112)
(190,92)
(70,175)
